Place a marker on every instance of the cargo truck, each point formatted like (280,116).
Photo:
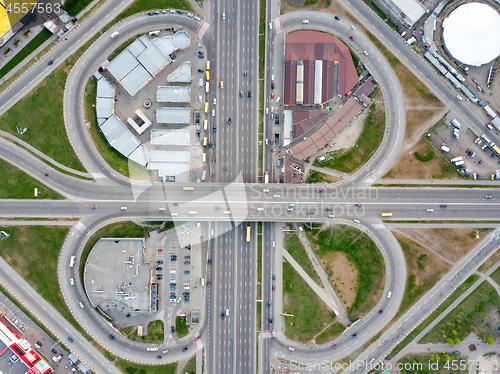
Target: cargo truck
(266,177)
(459,158)
(458,163)
(455,123)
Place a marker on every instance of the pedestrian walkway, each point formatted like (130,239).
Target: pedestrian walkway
(317,289)
(323,276)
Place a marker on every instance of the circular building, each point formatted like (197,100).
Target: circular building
(471,34)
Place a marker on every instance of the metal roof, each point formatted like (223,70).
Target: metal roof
(122,65)
(169,137)
(136,79)
(104,89)
(173,94)
(104,107)
(173,115)
(181,74)
(119,136)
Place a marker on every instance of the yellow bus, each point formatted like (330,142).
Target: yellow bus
(204,157)
(206,107)
(386,214)
(208,65)
(205,140)
(208,76)
(248,233)
(188,188)
(221,85)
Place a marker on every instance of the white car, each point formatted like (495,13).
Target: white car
(71,281)
(200,98)
(291,349)
(172,11)
(213,112)
(277,196)
(265,190)
(331,216)
(389,294)
(260,209)
(123,208)
(459,98)
(223,15)
(355,220)
(353,27)
(365,53)
(306,21)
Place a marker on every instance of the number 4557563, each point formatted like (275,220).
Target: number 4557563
(40,7)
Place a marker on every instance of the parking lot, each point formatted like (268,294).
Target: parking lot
(478,157)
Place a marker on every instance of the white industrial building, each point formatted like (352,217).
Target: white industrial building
(173,94)
(471,34)
(170,137)
(173,115)
(408,12)
(142,60)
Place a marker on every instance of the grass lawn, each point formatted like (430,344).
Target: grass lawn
(190,367)
(348,160)
(181,327)
(73,7)
(33,251)
(311,315)
(360,251)
(460,290)
(445,362)
(143,6)
(478,313)
(424,270)
(330,333)
(299,254)
(36,42)
(496,276)
(318,177)
(156,333)
(16,184)
(130,368)
(115,230)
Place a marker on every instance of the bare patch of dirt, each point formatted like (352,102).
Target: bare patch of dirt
(343,275)
(419,119)
(450,244)
(409,167)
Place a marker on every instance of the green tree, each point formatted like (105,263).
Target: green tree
(490,341)
(454,332)
(450,341)
(457,341)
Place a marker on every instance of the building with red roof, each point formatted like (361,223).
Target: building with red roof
(318,66)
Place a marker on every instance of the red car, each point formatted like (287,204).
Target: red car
(274,287)
(334,346)
(489,127)
(319,191)
(94,206)
(352,37)
(272,95)
(327,145)
(208,284)
(160,250)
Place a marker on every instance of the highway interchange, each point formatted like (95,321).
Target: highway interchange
(231,342)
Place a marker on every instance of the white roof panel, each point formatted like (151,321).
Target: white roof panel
(104,89)
(122,65)
(471,33)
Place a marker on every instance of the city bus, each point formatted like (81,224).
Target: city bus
(206,107)
(248,233)
(205,141)
(189,188)
(154,33)
(208,76)
(386,214)
(208,65)
(204,157)
(72,261)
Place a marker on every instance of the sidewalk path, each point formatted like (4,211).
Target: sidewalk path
(317,289)
(323,276)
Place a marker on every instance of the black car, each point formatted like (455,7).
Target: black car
(443,206)
(201,70)
(51,62)
(70,340)
(39,343)
(229,120)
(209,261)
(173,284)
(180,12)
(158,357)
(159,262)
(185,293)
(249,94)
(54,351)
(74,19)
(172,294)
(187,262)
(270,320)
(172,329)
(329,209)
(184,349)
(200,52)
(186,271)
(159,268)
(353,336)
(222,316)
(380,312)
(187,257)
(337,18)
(272,86)
(201,56)
(173,258)
(111,337)
(187,247)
